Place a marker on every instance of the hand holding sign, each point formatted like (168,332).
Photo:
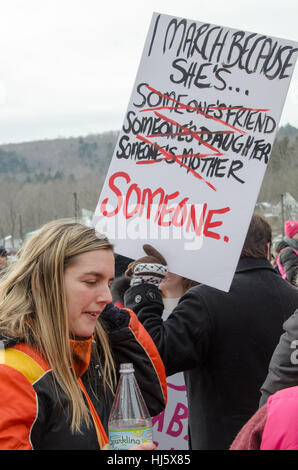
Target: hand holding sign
(151,268)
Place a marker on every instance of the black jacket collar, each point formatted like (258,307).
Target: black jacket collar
(247,264)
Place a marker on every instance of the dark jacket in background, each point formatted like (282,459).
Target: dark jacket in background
(287,260)
(283,367)
(223,342)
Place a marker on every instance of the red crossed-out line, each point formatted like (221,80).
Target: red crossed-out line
(188,132)
(200,110)
(169,156)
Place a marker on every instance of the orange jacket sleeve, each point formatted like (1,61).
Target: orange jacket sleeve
(18,409)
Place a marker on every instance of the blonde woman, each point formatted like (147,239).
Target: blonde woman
(62,341)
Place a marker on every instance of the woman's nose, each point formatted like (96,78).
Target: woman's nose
(104,295)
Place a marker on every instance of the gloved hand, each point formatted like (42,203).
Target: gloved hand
(148,269)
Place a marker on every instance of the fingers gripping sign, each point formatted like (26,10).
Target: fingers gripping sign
(149,269)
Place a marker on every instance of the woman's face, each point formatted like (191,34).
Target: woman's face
(87,288)
(171,281)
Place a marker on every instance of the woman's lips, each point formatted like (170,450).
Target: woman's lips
(94,315)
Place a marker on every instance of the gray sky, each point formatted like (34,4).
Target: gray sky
(67,67)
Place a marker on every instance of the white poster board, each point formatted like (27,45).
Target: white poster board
(195,143)
(170,427)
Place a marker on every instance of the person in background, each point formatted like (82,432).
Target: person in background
(283,366)
(121,283)
(274,425)
(273,259)
(287,259)
(223,341)
(62,341)
(171,426)
(172,288)
(118,288)
(3,260)
(121,265)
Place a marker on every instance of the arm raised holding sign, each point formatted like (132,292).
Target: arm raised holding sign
(151,268)
(222,341)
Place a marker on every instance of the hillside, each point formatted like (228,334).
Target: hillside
(48,179)
(287,131)
(60,157)
(282,172)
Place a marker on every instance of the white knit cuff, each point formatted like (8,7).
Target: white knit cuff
(154,268)
(136,281)
(148,273)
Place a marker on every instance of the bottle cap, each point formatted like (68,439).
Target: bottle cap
(128,367)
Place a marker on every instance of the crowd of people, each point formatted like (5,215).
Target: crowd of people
(71,311)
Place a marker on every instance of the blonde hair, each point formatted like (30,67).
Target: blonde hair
(33,304)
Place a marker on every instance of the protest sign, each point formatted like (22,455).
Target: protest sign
(194,146)
(170,427)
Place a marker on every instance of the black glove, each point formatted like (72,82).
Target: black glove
(148,269)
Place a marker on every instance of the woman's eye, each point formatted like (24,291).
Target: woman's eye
(90,283)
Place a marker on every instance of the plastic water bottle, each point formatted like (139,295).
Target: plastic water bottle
(129,423)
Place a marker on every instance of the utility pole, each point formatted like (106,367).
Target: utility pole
(21,227)
(76,206)
(282,214)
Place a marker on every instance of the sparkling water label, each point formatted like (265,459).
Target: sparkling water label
(124,439)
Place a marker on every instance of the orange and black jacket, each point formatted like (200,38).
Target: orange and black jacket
(35,413)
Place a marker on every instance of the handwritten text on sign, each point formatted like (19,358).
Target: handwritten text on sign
(194,145)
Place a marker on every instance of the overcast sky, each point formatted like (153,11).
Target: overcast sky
(67,67)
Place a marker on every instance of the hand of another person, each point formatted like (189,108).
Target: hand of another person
(144,446)
(148,269)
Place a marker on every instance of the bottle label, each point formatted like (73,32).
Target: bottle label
(124,439)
